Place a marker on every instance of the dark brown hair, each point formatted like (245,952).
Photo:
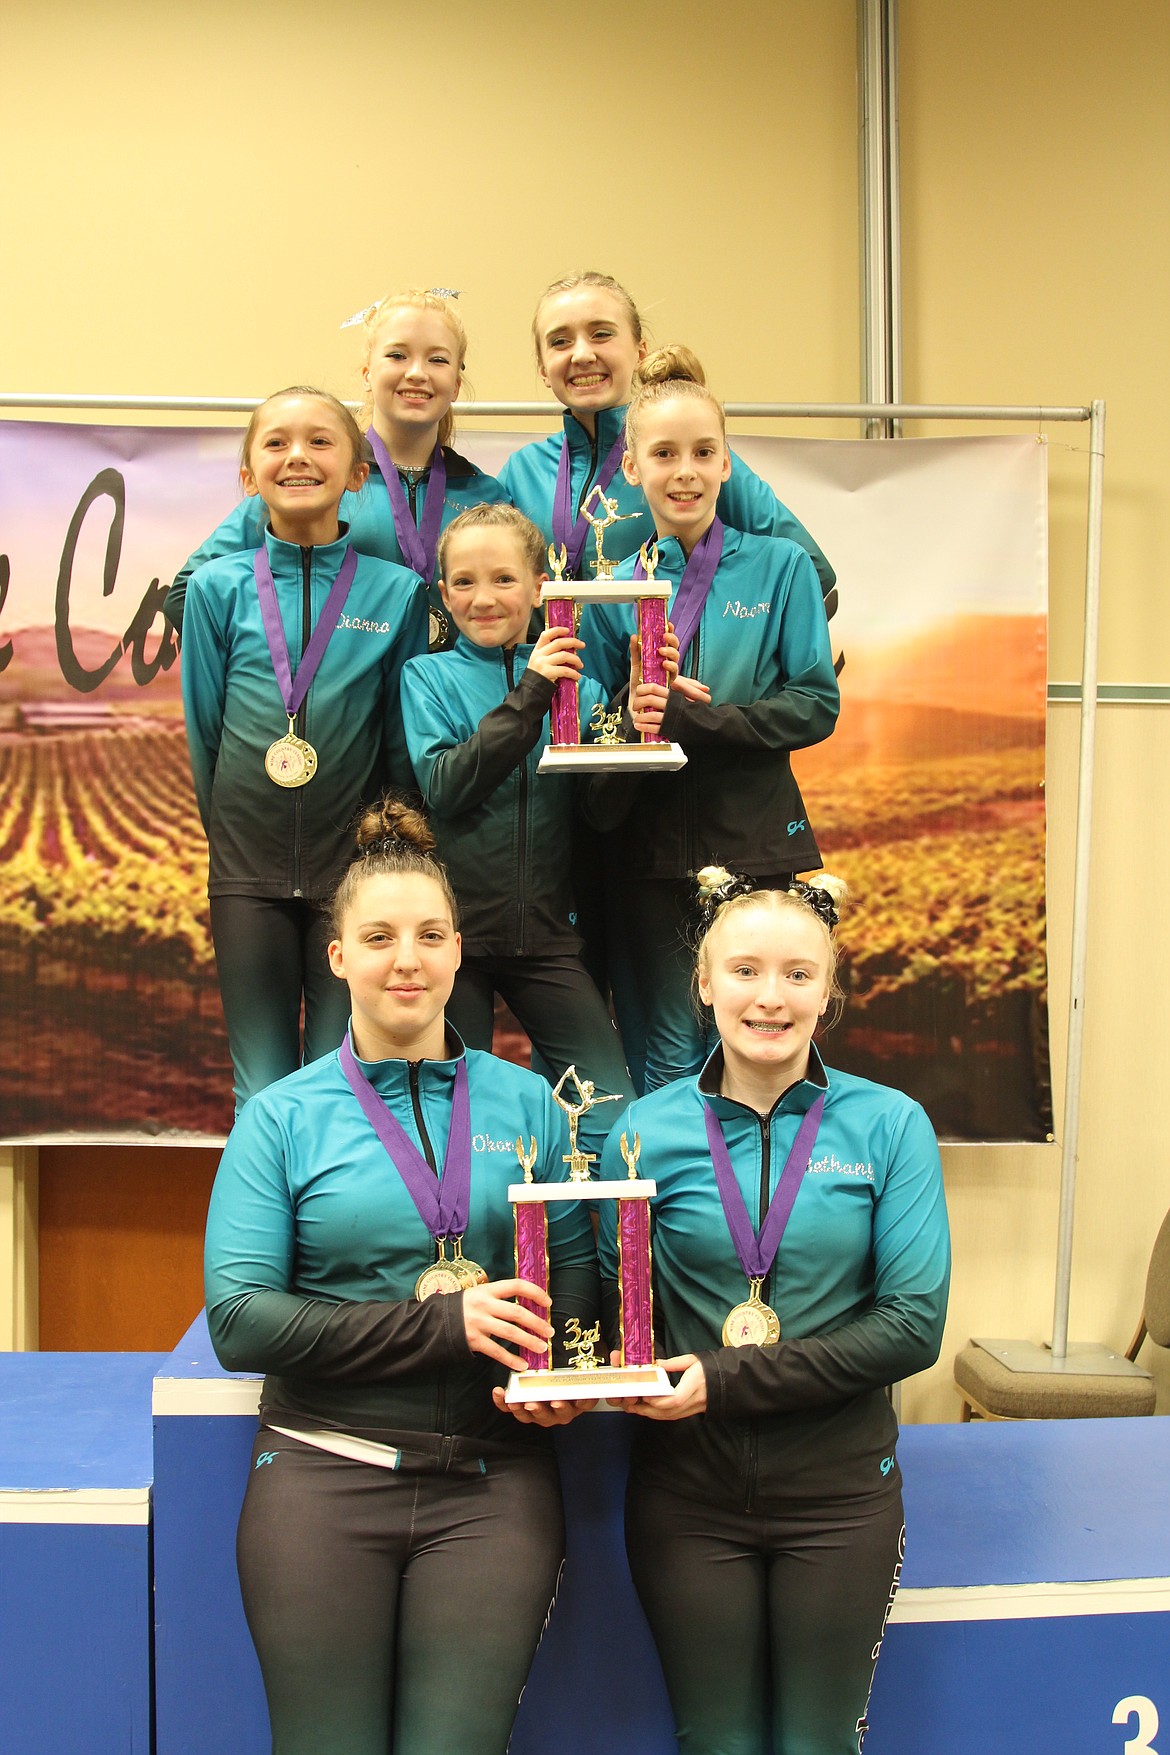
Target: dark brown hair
(392,838)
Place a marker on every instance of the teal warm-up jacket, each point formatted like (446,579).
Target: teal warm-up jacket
(265,840)
(370,521)
(529,479)
(314,1245)
(476,726)
(762,646)
(859,1283)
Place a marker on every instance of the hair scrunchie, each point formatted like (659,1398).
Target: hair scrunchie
(820,901)
(393,844)
(710,904)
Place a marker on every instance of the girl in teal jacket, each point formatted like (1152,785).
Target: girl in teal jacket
(401,1532)
(477,725)
(801,1265)
(415,352)
(756,682)
(301,636)
(589,341)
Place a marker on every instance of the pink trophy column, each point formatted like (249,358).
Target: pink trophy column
(564,714)
(532,1264)
(637,1315)
(652,632)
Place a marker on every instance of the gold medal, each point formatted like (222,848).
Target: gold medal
(290,761)
(752,1323)
(437,1280)
(469,1272)
(440,1279)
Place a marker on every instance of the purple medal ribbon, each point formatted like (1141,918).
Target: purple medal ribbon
(572,536)
(443,1203)
(419,545)
(292,694)
(756,1254)
(694,586)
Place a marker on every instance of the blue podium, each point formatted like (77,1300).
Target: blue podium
(1033,1616)
(1034,1613)
(75,1588)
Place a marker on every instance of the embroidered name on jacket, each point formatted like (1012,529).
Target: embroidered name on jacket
(361,627)
(832,1166)
(481,1142)
(745,611)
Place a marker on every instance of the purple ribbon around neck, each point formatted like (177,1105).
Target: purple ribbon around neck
(419,544)
(573,535)
(442,1203)
(293,693)
(694,586)
(757,1253)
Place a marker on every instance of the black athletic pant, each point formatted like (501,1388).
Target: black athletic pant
(556,1001)
(270,954)
(768,1627)
(396,1612)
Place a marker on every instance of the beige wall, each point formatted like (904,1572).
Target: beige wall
(194,200)
(1036,256)
(204,194)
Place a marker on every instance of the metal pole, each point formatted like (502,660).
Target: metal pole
(925,411)
(1080,926)
(893,209)
(905,411)
(881,347)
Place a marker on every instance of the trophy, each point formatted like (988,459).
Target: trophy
(588,1376)
(562,601)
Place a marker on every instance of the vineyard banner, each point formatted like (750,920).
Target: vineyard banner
(928,797)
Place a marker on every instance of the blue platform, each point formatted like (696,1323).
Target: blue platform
(1035,1599)
(75,1584)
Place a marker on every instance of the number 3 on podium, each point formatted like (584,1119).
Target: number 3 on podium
(1147,1726)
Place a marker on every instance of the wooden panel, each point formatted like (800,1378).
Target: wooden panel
(18,1248)
(121,1245)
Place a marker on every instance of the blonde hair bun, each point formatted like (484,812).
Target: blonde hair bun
(711,878)
(672,364)
(669,374)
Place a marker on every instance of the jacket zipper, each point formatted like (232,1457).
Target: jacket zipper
(302,710)
(522,839)
(412,1067)
(765,1193)
(412,481)
(588,482)
(765,1293)
(420,1124)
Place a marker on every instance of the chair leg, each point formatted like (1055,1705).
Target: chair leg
(965,1416)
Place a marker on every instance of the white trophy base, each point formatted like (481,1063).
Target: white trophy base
(613,1382)
(621,1188)
(605,590)
(611,758)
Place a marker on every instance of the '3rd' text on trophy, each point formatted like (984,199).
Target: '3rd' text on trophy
(589,1376)
(562,599)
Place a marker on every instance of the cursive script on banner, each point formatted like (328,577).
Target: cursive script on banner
(111,484)
(6,645)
